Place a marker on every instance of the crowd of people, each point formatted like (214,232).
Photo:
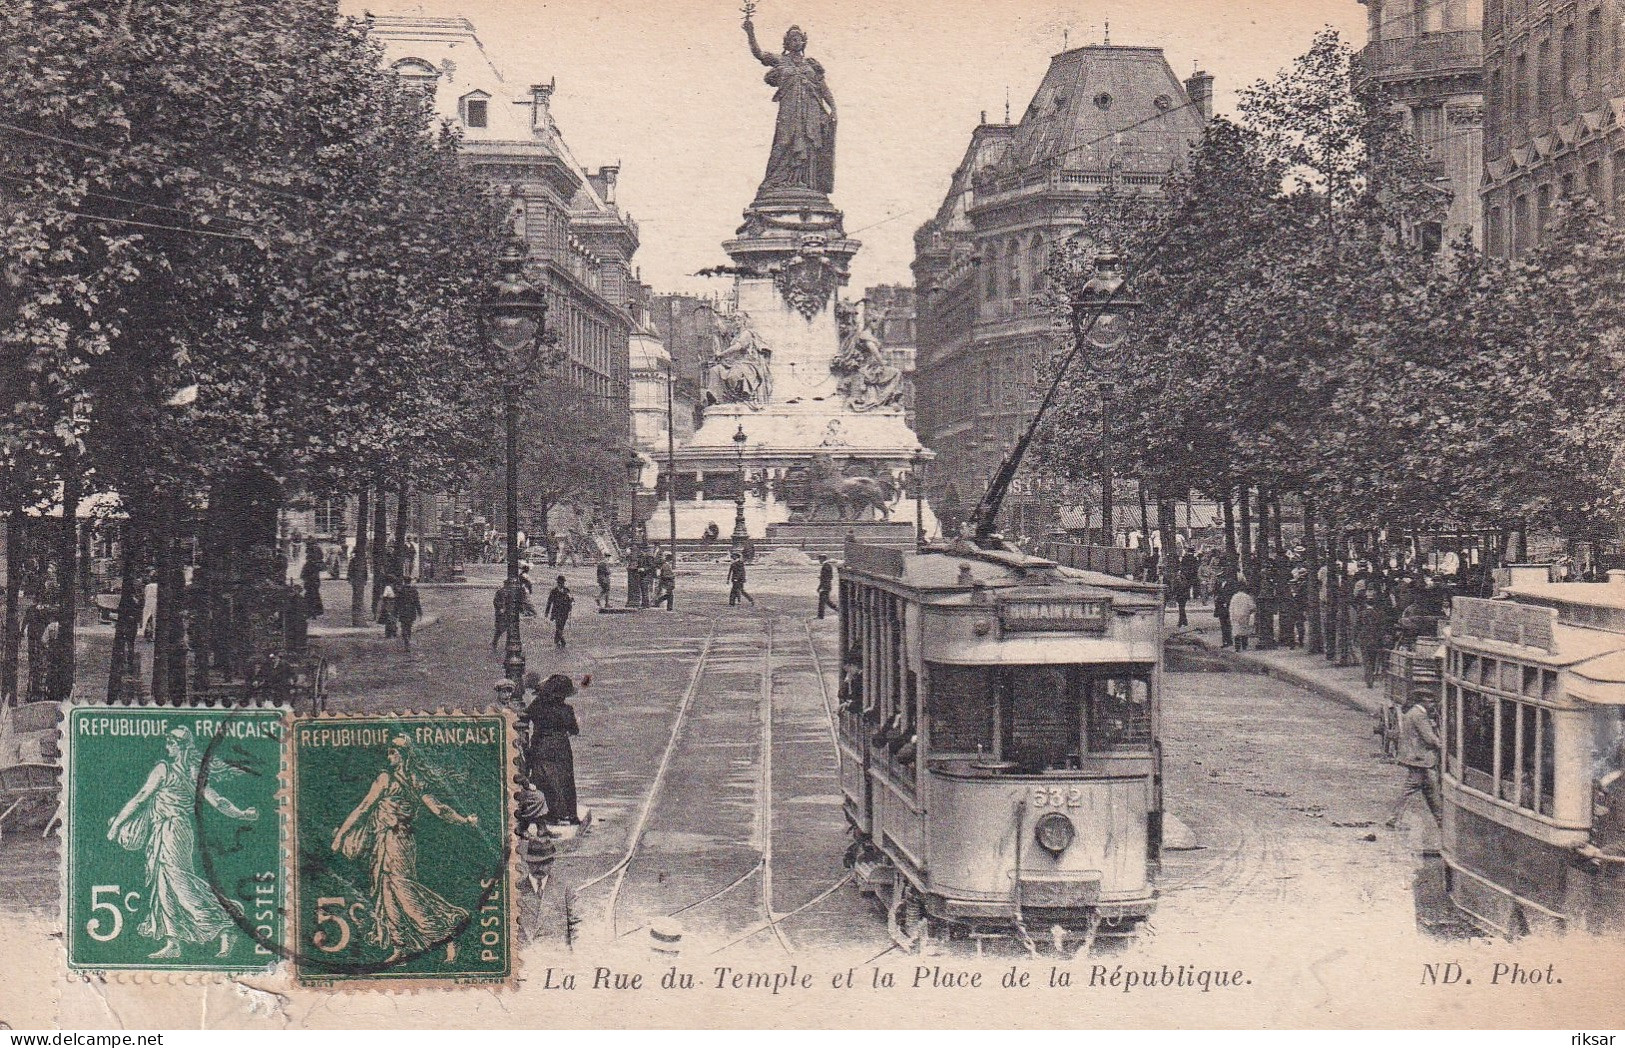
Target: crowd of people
(1380,601)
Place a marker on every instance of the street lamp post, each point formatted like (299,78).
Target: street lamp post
(512,319)
(1100,313)
(740,534)
(634,481)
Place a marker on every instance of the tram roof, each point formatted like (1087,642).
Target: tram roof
(937,570)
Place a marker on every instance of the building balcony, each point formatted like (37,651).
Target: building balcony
(1430,54)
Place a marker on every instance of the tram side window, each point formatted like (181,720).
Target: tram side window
(1119,714)
(960,702)
(1477,741)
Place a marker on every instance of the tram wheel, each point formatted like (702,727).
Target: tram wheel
(906,918)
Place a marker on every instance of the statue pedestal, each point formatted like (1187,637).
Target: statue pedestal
(803,438)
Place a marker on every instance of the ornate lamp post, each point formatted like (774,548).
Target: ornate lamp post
(634,480)
(512,318)
(1100,315)
(740,534)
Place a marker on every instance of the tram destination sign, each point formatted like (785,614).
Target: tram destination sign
(1502,621)
(1054,616)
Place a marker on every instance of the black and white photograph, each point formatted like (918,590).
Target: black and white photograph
(1070,514)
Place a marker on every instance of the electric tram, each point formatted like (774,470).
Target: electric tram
(999,763)
(1532,731)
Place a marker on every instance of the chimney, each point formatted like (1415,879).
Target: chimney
(1199,89)
(541,115)
(604,181)
(984,116)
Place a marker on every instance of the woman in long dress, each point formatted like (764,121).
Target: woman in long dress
(158,820)
(406,915)
(803,155)
(549,760)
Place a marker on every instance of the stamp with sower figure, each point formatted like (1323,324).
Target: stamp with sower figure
(173,851)
(403,843)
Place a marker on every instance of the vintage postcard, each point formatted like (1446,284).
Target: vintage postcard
(970,513)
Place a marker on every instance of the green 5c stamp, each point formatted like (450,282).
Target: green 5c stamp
(173,838)
(402,843)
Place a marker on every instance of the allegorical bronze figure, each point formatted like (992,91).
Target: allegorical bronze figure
(803,154)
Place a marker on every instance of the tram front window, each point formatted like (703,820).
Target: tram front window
(1039,718)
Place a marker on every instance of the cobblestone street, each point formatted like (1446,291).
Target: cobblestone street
(730,821)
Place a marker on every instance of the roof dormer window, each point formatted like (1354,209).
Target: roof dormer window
(475,109)
(417,72)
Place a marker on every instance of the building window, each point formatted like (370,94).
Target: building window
(1520,224)
(1543,73)
(1567,192)
(1593,48)
(1593,186)
(1520,88)
(330,515)
(1430,237)
(1495,231)
(1566,68)
(475,112)
(1543,212)
(1012,255)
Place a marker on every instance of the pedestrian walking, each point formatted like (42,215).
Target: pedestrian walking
(408,609)
(668,583)
(648,575)
(499,609)
(736,581)
(634,572)
(1180,589)
(549,721)
(603,582)
(149,609)
(1368,635)
(1223,590)
(1243,616)
(1419,753)
(311,576)
(557,609)
(386,609)
(826,585)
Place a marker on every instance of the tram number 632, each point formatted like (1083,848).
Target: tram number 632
(1057,797)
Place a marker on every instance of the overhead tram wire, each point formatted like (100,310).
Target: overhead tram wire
(1042,162)
(99,194)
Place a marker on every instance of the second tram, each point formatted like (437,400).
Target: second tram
(998,734)
(1532,729)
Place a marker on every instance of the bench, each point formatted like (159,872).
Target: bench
(29,769)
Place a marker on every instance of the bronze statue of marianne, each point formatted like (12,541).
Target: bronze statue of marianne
(803,154)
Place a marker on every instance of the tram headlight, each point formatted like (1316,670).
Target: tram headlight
(1054,832)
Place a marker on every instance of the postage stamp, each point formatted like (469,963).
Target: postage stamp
(403,841)
(173,836)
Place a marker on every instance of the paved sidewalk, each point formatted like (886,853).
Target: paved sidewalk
(1345,685)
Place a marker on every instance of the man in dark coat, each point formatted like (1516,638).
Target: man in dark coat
(408,609)
(668,583)
(826,585)
(1222,593)
(549,721)
(603,582)
(559,603)
(736,581)
(311,576)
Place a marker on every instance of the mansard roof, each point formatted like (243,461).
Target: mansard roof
(1101,107)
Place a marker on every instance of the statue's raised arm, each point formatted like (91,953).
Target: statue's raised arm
(755,49)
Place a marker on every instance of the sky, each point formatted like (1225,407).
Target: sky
(668,89)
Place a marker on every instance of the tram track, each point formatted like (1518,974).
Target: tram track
(690,835)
